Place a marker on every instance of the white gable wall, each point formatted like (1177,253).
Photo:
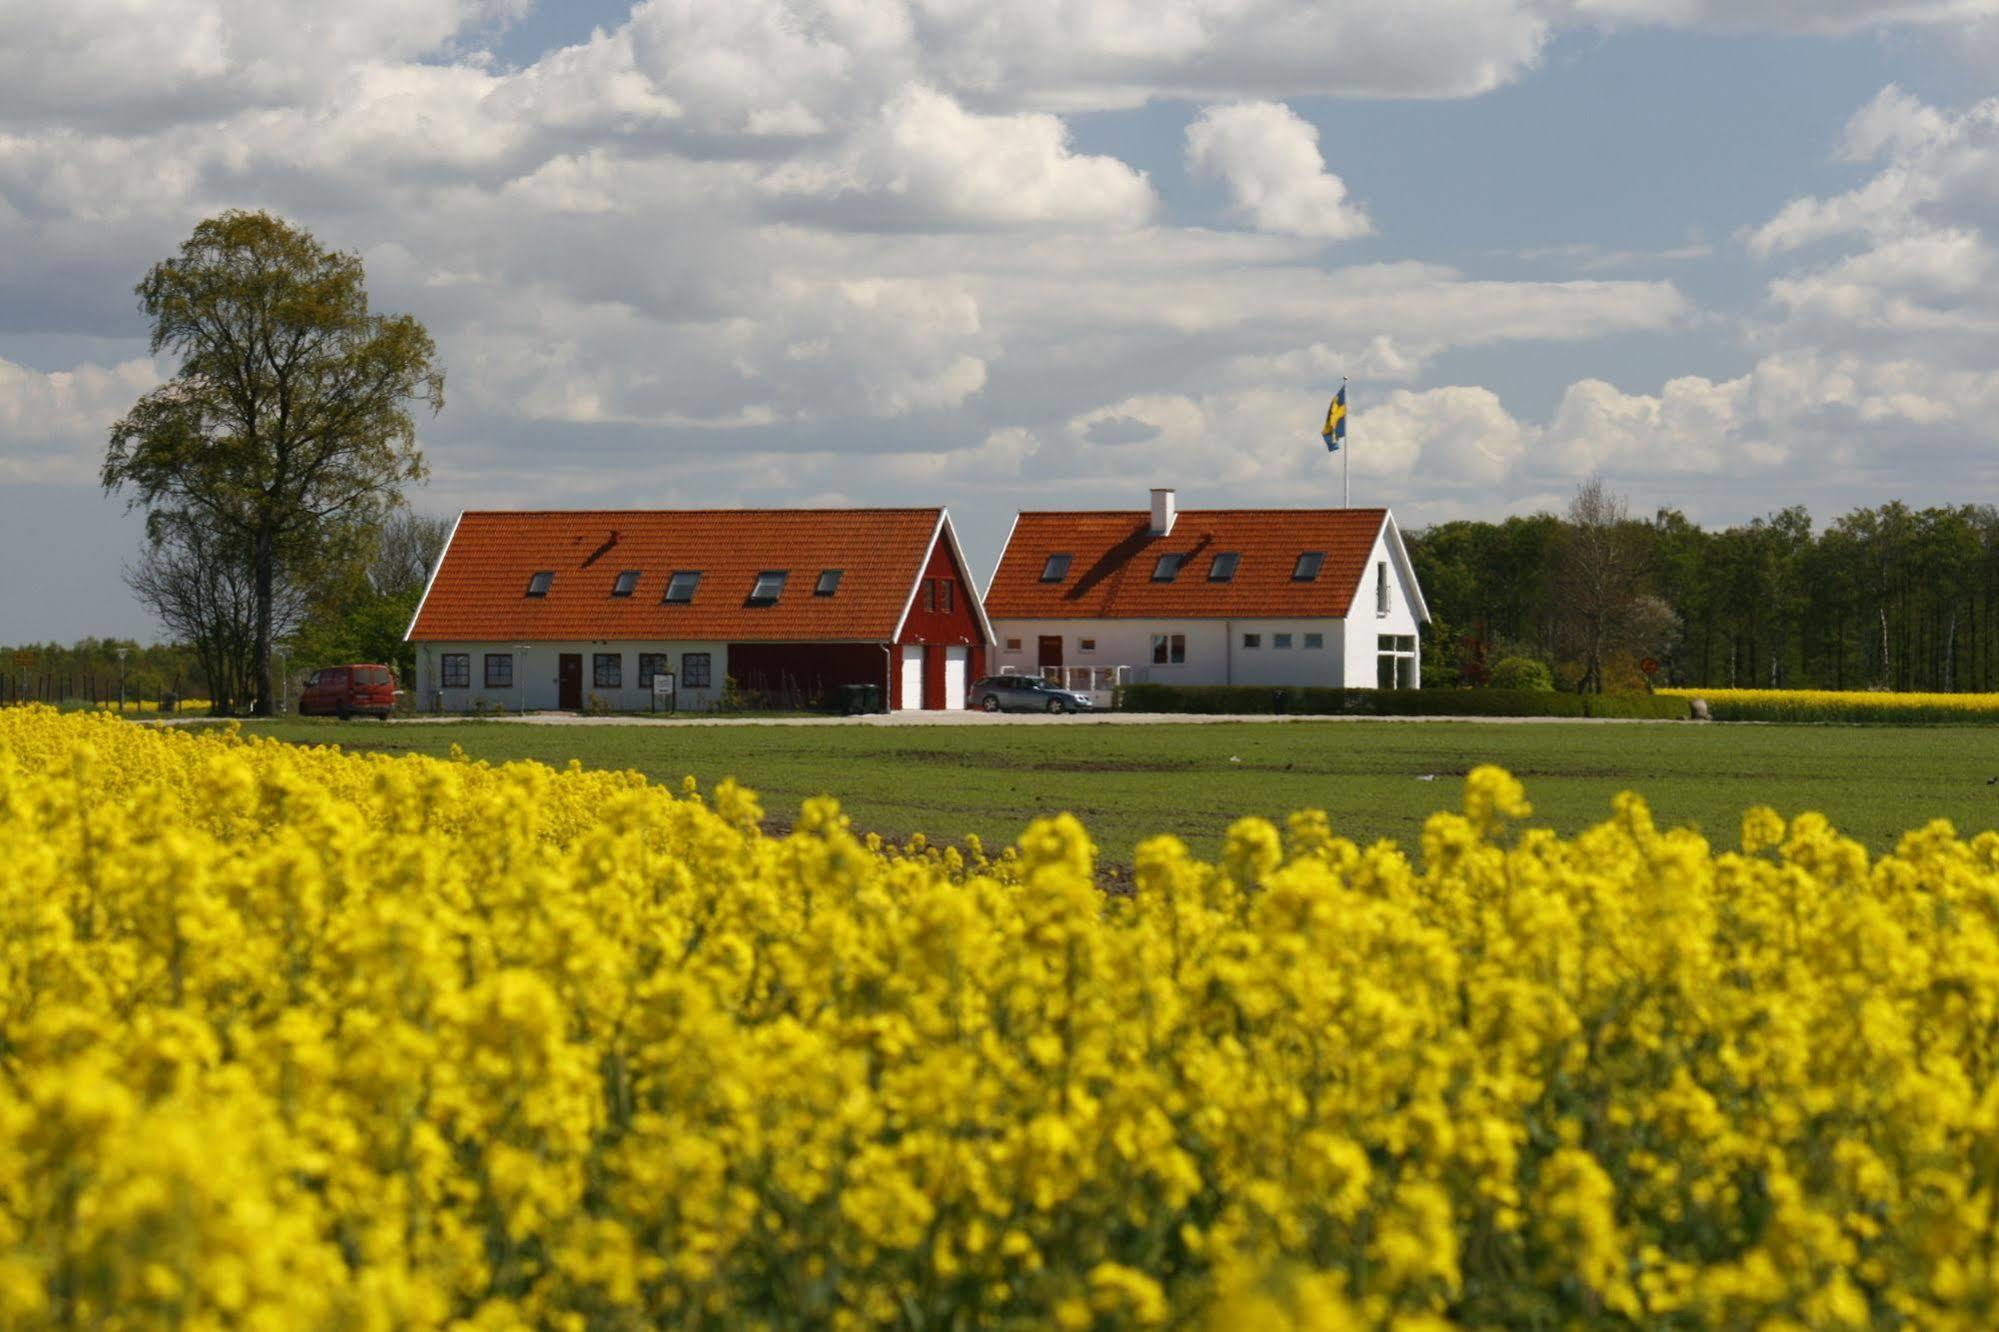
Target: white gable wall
(1215,650)
(1366,623)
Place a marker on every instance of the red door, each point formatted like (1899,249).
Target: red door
(1051,655)
(569,681)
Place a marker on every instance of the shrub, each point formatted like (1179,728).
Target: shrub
(1522,673)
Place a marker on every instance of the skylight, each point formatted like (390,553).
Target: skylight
(538,585)
(680,587)
(1056,569)
(769,586)
(829,582)
(1307,567)
(627,583)
(1168,568)
(1222,570)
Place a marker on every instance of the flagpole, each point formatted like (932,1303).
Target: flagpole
(1346,457)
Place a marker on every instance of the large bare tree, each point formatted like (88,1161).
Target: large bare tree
(287,427)
(1600,586)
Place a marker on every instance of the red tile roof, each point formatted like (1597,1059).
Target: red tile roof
(479,591)
(1113,554)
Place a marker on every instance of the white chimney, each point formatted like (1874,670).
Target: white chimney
(1162,511)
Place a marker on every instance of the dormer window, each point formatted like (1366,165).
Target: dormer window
(769,586)
(680,588)
(828,584)
(1168,568)
(1222,569)
(1055,569)
(628,583)
(1307,568)
(539,584)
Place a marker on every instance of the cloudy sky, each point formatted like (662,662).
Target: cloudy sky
(1734,254)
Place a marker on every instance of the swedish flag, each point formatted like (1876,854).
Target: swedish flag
(1335,433)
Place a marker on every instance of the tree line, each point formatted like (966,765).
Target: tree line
(1889,597)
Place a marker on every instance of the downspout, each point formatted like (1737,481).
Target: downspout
(888,677)
(1228,652)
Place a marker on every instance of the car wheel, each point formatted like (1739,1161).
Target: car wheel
(990,703)
(342,711)
(1055,705)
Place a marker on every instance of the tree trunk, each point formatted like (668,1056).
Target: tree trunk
(261,652)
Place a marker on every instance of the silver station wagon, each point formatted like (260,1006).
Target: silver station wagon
(1026,693)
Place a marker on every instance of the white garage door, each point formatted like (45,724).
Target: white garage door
(912,677)
(954,677)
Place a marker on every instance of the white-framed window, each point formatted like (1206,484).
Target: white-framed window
(1086,645)
(539,583)
(1013,645)
(1395,661)
(651,664)
(1402,643)
(1280,641)
(694,670)
(1169,649)
(499,670)
(1315,642)
(681,587)
(1252,641)
(1381,587)
(455,670)
(628,583)
(607,670)
(769,586)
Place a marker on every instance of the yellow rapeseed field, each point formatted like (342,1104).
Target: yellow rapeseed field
(1812,705)
(297,1039)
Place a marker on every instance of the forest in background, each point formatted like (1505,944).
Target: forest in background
(1890,597)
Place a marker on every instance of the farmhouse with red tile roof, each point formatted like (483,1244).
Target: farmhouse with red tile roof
(1217,596)
(582,608)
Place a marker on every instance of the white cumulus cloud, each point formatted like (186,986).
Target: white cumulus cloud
(1268,156)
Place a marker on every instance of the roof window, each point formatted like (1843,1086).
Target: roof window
(1168,568)
(539,584)
(1307,568)
(828,584)
(1222,568)
(1055,569)
(769,586)
(680,587)
(628,583)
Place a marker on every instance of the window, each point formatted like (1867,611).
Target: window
(1013,645)
(1381,588)
(945,595)
(769,586)
(499,670)
(607,670)
(1055,569)
(651,664)
(1086,645)
(680,587)
(1315,642)
(693,670)
(538,585)
(1222,568)
(828,584)
(455,670)
(1395,666)
(1307,567)
(1169,649)
(1168,568)
(1252,640)
(1405,643)
(1280,640)
(627,583)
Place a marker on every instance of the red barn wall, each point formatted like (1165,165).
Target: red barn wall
(938,628)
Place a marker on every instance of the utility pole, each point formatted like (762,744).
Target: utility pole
(121,680)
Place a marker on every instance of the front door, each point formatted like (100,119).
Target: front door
(954,677)
(1051,655)
(569,681)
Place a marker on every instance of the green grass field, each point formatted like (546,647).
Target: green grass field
(1128,782)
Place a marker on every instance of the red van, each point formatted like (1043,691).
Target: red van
(343,691)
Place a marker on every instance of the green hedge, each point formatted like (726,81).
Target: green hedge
(1244,700)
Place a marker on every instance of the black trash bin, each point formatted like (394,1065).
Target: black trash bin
(869,697)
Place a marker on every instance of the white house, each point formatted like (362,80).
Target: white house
(1211,597)
(572,609)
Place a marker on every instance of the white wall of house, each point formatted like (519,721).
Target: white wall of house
(537,681)
(1373,617)
(1217,651)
